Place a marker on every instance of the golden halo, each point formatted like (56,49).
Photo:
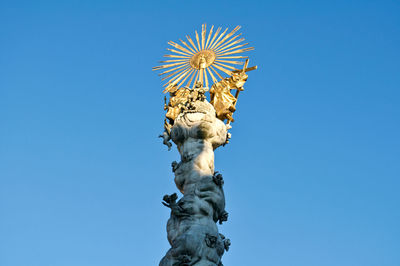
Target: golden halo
(202,59)
(213,55)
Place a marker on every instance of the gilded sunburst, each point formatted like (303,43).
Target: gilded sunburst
(213,55)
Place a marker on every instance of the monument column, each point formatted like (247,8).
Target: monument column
(198,126)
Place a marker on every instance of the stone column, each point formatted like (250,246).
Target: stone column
(191,228)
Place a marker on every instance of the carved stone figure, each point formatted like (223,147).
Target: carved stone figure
(218,180)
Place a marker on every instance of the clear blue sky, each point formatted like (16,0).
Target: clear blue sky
(311,173)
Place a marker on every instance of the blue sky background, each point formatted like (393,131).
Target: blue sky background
(312,170)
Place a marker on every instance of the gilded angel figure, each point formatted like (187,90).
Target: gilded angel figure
(178,100)
(221,97)
(223,101)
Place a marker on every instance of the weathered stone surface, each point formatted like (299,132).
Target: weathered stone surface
(191,228)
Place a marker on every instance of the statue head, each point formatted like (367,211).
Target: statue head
(202,61)
(239,79)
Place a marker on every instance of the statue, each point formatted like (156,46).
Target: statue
(222,100)
(198,126)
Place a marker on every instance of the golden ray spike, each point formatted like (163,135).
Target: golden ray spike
(226,37)
(187,45)
(197,75)
(239,51)
(183,68)
(197,39)
(172,69)
(168,89)
(190,72)
(229,73)
(190,81)
(205,77)
(229,62)
(176,56)
(201,75)
(176,73)
(212,76)
(191,42)
(179,72)
(174,60)
(178,52)
(226,66)
(216,72)
(213,38)
(232,57)
(209,36)
(177,46)
(203,35)
(219,37)
(229,43)
(177,78)
(166,66)
(232,48)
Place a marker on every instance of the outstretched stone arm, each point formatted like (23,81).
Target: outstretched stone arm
(166,138)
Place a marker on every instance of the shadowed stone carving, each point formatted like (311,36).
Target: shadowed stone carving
(191,229)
